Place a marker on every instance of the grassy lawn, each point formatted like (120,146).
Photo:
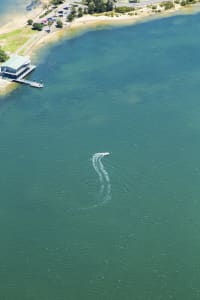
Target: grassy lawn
(11,41)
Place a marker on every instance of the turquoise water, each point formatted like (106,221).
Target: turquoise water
(134,92)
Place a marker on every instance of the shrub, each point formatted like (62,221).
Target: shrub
(30,22)
(37,26)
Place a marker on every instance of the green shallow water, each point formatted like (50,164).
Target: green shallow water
(132,91)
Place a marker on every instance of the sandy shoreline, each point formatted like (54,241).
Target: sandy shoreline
(87,22)
(90,22)
(19,20)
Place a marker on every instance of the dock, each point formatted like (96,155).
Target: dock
(29,82)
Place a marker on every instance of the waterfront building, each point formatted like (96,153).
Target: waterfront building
(16,67)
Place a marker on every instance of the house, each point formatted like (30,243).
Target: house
(16,67)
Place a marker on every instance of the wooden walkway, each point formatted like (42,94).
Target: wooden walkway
(30,83)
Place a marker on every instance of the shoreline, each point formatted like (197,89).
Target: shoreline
(19,20)
(91,22)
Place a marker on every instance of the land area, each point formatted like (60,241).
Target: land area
(60,17)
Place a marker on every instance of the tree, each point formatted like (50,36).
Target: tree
(99,6)
(3,55)
(70,17)
(37,26)
(50,23)
(190,1)
(30,22)
(80,12)
(109,5)
(57,2)
(73,11)
(59,24)
(91,8)
(85,11)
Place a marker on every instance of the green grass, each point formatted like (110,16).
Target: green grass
(13,40)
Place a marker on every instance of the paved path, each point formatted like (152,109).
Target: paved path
(148,2)
(30,42)
(141,4)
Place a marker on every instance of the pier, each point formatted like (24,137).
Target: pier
(29,82)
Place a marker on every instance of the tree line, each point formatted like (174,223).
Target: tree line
(99,6)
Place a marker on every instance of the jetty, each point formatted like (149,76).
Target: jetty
(17,68)
(29,82)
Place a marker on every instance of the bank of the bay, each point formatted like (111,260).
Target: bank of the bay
(82,25)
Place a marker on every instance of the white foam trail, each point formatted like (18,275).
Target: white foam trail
(95,164)
(105,185)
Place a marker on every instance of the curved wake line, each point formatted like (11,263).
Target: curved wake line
(95,162)
(104,179)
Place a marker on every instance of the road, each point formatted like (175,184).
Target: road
(140,4)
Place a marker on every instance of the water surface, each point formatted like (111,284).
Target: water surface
(131,91)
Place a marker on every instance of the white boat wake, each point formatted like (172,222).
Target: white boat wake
(104,179)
